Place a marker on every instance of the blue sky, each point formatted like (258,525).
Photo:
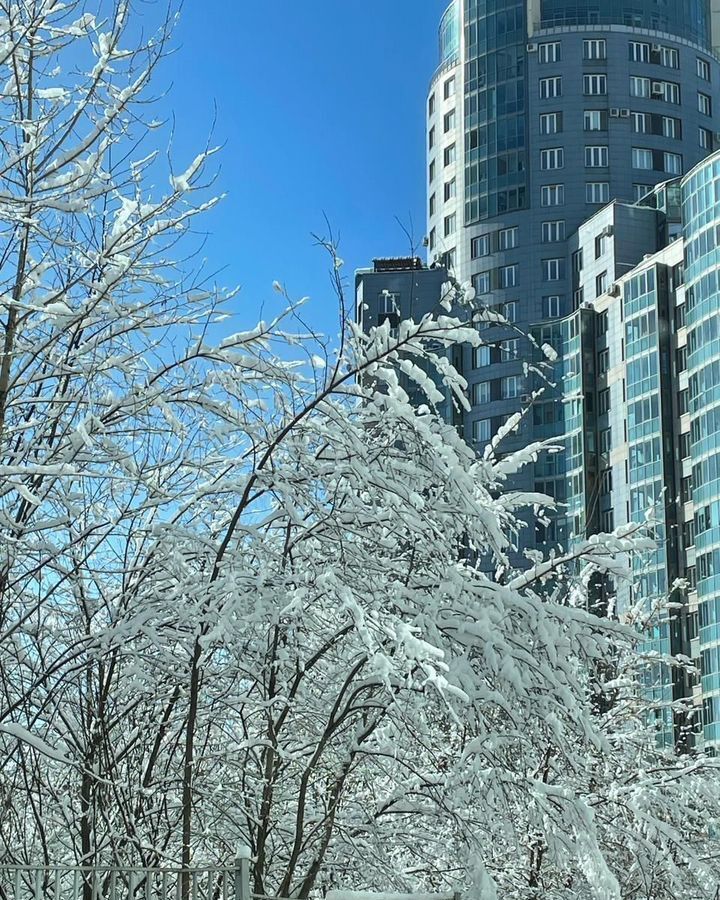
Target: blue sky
(320,107)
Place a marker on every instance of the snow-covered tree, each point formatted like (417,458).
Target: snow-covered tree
(238,592)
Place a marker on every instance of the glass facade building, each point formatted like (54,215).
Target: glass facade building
(701,214)
(688,19)
(540,113)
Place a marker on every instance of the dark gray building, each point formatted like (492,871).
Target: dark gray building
(397,288)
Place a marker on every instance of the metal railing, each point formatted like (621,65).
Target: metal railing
(113,883)
(18,882)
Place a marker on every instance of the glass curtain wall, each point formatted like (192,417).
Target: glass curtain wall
(685,18)
(495,100)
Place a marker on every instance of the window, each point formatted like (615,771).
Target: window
(508,276)
(594,85)
(639,51)
(480,393)
(671,127)
(595,48)
(669,57)
(553,269)
(431,138)
(449,88)
(640,122)
(705,138)
(551,123)
(549,52)
(602,322)
(553,158)
(639,86)
(449,224)
(432,204)
(550,87)
(450,189)
(704,104)
(481,282)
(594,120)
(603,361)
(669,91)
(481,357)
(480,246)
(553,231)
(432,239)
(510,310)
(684,445)
(577,261)
(683,401)
(703,69)
(509,349)
(449,121)
(672,163)
(603,402)
(605,440)
(388,303)
(431,171)
(449,155)
(481,430)
(511,387)
(606,481)
(607,521)
(599,245)
(431,104)
(596,157)
(601,283)
(640,190)
(449,258)
(681,359)
(507,238)
(551,306)
(552,195)
(641,158)
(597,192)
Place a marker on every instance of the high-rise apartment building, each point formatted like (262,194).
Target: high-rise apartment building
(539,114)
(559,134)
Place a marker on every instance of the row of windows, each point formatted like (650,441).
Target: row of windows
(448,92)
(448,125)
(638,51)
(502,278)
(595,85)
(486,354)
(598,120)
(595,192)
(598,156)
(507,388)
(494,242)
(656,160)
(449,193)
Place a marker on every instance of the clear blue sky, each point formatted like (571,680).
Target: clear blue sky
(321,108)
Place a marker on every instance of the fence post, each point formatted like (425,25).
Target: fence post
(242,873)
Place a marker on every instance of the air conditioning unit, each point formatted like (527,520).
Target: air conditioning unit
(607,231)
(614,290)
(587,304)
(656,48)
(614,112)
(624,113)
(657,87)
(532,48)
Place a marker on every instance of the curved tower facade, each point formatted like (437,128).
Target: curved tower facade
(541,112)
(701,215)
